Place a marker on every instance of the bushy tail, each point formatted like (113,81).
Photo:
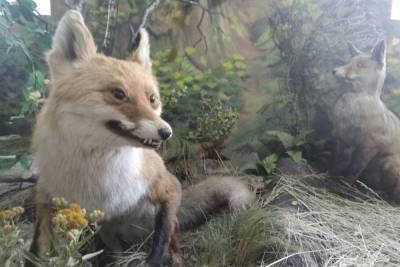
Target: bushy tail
(211,195)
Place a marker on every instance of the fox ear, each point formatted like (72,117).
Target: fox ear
(354,51)
(379,52)
(72,41)
(142,52)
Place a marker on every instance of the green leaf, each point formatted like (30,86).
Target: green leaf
(269,163)
(286,139)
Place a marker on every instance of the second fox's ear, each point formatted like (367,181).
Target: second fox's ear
(379,52)
(142,52)
(354,51)
(72,41)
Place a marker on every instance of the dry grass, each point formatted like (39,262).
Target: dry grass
(332,224)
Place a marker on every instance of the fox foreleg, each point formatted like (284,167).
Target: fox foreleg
(166,224)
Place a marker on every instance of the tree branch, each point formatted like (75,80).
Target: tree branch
(134,40)
(109,37)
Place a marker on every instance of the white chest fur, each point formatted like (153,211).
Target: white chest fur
(107,180)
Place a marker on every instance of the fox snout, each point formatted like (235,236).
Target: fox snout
(165,133)
(147,132)
(339,72)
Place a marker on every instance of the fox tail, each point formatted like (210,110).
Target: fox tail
(211,195)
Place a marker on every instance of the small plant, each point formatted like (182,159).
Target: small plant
(73,229)
(215,122)
(264,168)
(11,244)
(291,144)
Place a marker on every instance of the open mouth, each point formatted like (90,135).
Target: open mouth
(117,128)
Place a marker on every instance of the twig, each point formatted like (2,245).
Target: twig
(133,43)
(17,178)
(202,36)
(109,37)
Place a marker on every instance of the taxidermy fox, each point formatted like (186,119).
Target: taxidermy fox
(362,119)
(95,139)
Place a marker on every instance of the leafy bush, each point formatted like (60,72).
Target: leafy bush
(214,123)
(201,103)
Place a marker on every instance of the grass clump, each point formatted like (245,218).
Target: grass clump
(241,239)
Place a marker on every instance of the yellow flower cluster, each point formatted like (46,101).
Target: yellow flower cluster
(11,213)
(71,217)
(7,216)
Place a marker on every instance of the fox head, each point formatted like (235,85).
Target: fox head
(365,72)
(99,98)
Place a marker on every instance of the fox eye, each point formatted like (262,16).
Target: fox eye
(153,99)
(119,94)
(360,65)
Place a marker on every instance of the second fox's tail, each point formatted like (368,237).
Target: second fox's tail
(209,196)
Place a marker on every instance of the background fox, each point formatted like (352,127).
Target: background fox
(95,139)
(361,119)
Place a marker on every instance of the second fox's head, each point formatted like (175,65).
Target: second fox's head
(365,73)
(92,94)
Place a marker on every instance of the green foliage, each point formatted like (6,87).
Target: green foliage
(33,92)
(22,30)
(203,102)
(14,70)
(180,79)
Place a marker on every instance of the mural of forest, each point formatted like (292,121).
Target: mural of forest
(248,89)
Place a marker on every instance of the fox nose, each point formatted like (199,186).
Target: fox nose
(334,72)
(165,133)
